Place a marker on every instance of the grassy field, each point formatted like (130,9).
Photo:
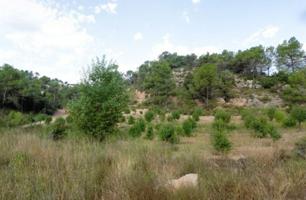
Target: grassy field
(32,166)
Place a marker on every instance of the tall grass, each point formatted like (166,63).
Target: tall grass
(34,167)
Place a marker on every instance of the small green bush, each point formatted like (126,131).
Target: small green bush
(221,114)
(221,142)
(142,124)
(219,125)
(39,117)
(280,116)
(167,133)
(272,131)
(149,116)
(131,120)
(187,127)
(289,122)
(300,148)
(69,120)
(299,114)
(176,115)
(137,129)
(58,128)
(48,120)
(180,130)
(270,112)
(197,113)
(15,118)
(150,132)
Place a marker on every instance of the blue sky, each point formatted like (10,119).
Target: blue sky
(59,38)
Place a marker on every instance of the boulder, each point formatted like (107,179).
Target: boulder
(189,180)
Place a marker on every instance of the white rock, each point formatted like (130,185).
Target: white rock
(189,180)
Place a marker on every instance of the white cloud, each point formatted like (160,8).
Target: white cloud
(167,45)
(186,17)
(110,7)
(196,1)
(45,39)
(262,34)
(138,36)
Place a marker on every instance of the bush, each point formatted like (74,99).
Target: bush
(221,142)
(48,120)
(280,116)
(40,117)
(142,124)
(187,127)
(176,115)
(197,113)
(300,148)
(150,132)
(149,116)
(167,133)
(131,120)
(299,114)
(15,118)
(219,125)
(180,130)
(289,122)
(223,115)
(272,131)
(270,112)
(58,128)
(259,126)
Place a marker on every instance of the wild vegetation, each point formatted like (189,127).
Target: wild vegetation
(112,144)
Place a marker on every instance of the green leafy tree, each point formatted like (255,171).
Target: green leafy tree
(204,81)
(103,98)
(290,55)
(159,83)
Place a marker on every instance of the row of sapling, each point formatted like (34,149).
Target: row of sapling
(260,125)
(220,131)
(296,116)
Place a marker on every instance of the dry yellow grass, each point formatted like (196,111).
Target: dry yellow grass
(35,167)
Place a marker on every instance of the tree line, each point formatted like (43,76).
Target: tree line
(213,75)
(26,91)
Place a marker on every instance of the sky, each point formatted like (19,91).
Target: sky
(59,38)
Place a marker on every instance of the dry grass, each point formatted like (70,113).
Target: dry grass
(35,167)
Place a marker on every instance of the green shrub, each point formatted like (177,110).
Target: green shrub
(197,113)
(142,124)
(299,114)
(270,112)
(280,116)
(219,125)
(48,120)
(167,133)
(40,117)
(221,114)
(272,131)
(149,116)
(221,142)
(259,126)
(58,128)
(69,120)
(289,122)
(180,130)
(15,118)
(187,127)
(131,120)
(176,115)
(300,148)
(150,132)
(135,131)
